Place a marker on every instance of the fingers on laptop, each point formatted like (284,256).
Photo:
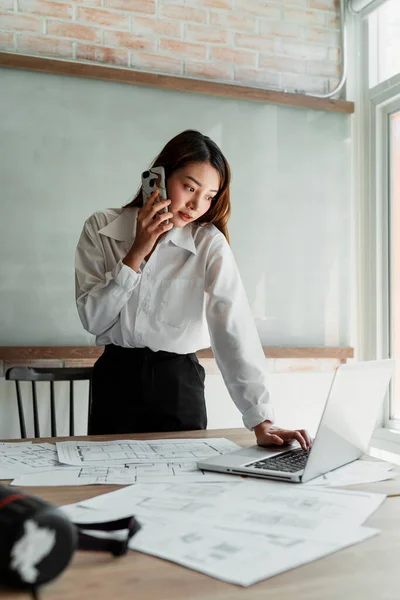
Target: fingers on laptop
(303,438)
(300,435)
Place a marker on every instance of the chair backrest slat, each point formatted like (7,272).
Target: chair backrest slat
(35,411)
(18,374)
(90,399)
(71,408)
(52,411)
(20,410)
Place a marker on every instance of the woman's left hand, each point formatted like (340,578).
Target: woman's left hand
(268,434)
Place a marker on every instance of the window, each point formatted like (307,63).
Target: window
(379,196)
(384,42)
(394,257)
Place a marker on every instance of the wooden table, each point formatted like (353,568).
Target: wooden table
(367,571)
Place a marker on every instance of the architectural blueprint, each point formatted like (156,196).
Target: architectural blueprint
(235,556)
(139,451)
(240,533)
(26,457)
(123,474)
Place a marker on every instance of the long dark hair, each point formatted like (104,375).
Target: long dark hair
(192,146)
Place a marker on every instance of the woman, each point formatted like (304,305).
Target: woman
(156,287)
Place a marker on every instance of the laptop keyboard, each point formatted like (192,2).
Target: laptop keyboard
(291,461)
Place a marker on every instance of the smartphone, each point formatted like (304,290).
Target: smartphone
(154,179)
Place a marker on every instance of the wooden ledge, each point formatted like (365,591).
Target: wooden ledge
(12,353)
(183,84)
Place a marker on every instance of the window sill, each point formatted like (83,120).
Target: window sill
(385,444)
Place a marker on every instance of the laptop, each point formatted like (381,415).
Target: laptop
(344,433)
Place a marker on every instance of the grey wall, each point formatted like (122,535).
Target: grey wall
(70,146)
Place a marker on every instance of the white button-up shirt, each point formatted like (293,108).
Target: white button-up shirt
(187,294)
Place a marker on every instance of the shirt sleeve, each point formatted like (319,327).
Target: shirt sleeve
(100,295)
(234,337)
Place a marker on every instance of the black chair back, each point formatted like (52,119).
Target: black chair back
(72,374)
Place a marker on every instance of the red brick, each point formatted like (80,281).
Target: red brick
(103,18)
(219,4)
(259,8)
(281,64)
(18,22)
(257,77)
(183,49)
(281,29)
(231,55)
(332,5)
(212,35)
(322,36)
(334,54)
(208,70)
(323,68)
(332,21)
(6,40)
(46,8)
(142,6)
(254,42)
(102,55)
(35,363)
(183,13)
(304,50)
(308,17)
(46,46)
(128,40)
(154,26)
(79,362)
(234,22)
(73,31)
(155,62)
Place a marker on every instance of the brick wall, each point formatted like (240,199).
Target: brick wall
(281,44)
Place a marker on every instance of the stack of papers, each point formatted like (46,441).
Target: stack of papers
(118,462)
(359,471)
(132,461)
(241,533)
(24,457)
(235,529)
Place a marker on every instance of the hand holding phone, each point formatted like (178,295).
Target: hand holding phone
(154,179)
(150,224)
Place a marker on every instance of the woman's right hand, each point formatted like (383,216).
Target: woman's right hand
(149,227)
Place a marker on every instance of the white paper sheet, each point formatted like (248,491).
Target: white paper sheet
(359,471)
(124,474)
(308,512)
(6,473)
(5,445)
(26,457)
(237,557)
(189,524)
(138,451)
(218,550)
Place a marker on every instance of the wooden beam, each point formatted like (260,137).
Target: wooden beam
(12,353)
(182,84)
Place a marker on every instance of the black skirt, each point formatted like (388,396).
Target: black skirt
(136,390)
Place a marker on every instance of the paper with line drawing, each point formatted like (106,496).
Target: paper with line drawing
(123,474)
(82,453)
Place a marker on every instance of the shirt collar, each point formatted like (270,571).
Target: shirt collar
(182,237)
(123,228)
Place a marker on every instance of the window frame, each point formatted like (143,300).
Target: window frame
(373,201)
